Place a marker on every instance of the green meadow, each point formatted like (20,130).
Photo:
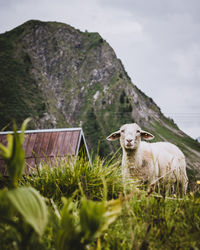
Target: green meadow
(76,205)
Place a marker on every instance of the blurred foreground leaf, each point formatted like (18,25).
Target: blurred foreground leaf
(113,209)
(13,154)
(81,226)
(92,218)
(95,217)
(30,204)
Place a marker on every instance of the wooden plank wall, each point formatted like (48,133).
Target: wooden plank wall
(46,146)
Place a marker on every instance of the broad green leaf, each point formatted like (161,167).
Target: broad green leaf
(30,204)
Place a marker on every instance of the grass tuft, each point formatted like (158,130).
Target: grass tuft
(65,177)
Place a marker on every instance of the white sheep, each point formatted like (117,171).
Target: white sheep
(150,162)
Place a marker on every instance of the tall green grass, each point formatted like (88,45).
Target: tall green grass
(148,222)
(64,178)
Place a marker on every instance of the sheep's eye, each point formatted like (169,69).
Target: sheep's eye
(122,131)
(138,131)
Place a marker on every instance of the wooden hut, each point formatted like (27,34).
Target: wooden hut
(47,145)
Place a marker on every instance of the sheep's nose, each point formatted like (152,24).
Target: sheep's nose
(129,140)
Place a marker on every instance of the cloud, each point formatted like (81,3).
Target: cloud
(188,62)
(157,41)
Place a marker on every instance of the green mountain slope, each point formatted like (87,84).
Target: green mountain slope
(63,77)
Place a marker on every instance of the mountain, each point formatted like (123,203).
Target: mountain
(198,139)
(63,77)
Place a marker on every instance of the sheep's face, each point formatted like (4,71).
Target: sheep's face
(130,136)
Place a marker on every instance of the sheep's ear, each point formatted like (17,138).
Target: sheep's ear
(146,135)
(114,136)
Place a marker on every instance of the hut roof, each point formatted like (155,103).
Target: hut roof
(48,145)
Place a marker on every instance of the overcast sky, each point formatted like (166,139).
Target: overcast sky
(158,42)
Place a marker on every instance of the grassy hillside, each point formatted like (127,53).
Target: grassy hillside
(63,77)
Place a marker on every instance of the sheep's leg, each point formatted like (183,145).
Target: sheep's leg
(184,186)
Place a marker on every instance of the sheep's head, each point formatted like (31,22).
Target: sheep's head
(130,136)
